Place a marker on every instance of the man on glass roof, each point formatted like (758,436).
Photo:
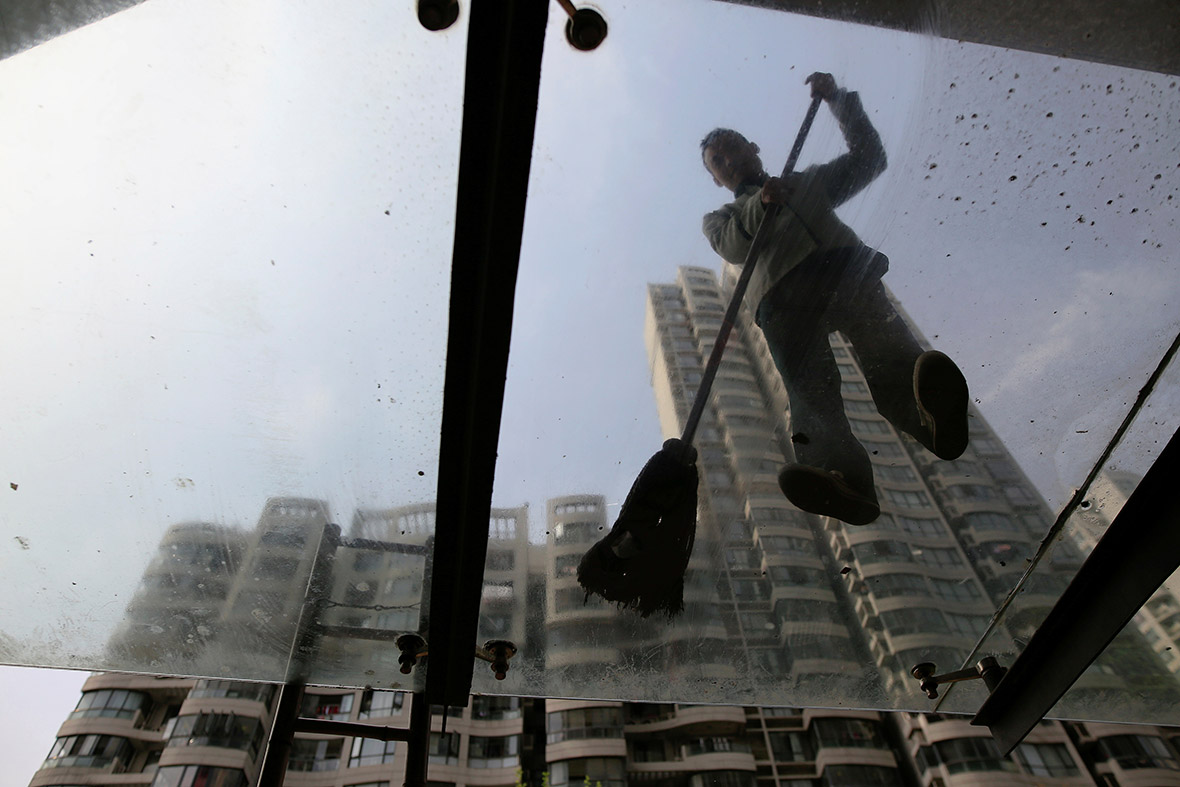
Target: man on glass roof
(815,277)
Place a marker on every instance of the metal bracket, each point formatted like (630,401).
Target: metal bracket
(988,669)
(498,652)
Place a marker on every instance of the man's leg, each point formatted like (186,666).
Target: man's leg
(832,474)
(921,393)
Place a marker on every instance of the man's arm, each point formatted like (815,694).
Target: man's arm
(731,228)
(846,175)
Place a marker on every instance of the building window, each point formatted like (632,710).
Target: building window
(501,560)
(88,751)
(971,492)
(956,590)
(198,776)
(758,624)
(111,703)
(1046,759)
(968,625)
(566,565)
(921,527)
(648,750)
(847,733)
(695,746)
(797,575)
(609,771)
(224,730)
(336,707)
(901,473)
(575,508)
(913,620)
(818,646)
(314,755)
(859,776)
(787,545)
(853,387)
(375,704)
(798,609)
(575,532)
(444,748)
(882,551)
(860,426)
(907,498)
(569,725)
(990,520)
(749,589)
(502,528)
(568,599)
(962,755)
(741,559)
(1019,495)
(935,556)
(491,708)
(366,751)
(791,747)
(499,752)
(767,660)
(232,689)
(886,585)
(1139,751)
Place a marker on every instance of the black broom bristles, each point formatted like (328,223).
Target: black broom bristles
(640,564)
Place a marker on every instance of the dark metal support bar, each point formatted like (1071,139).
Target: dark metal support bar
(1143,34)
(351,728)
(1140,549)
(504,44)
(282,730)
(418,752)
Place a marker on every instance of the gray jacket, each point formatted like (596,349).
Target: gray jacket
(807,224)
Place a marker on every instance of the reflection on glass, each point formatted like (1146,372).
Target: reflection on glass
(211,297)
(812,277)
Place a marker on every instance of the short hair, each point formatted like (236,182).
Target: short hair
(716,133)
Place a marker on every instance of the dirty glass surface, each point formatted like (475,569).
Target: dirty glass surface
(1135,677)
(227,232)
(1029,215)
(223,317)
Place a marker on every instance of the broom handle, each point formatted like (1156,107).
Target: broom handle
(735,302)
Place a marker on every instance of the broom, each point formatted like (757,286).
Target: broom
(641,562)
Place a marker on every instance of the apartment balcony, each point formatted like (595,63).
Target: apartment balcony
(691,764)
(866,613)
(693,720)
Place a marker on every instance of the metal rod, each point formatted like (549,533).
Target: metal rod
(568,7)
(351,728)
(282,730)
(735,301)
(418,747)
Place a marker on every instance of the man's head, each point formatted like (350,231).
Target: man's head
(730,158)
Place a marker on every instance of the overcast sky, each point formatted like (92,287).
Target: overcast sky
(227,244)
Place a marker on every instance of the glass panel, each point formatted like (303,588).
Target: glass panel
(227,242)
(226,313)
(1028,214)
(1142,661)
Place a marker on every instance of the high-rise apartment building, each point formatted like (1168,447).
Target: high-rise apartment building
(917,585)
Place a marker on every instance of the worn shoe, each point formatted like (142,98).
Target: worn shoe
(941,393)
(825,492)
